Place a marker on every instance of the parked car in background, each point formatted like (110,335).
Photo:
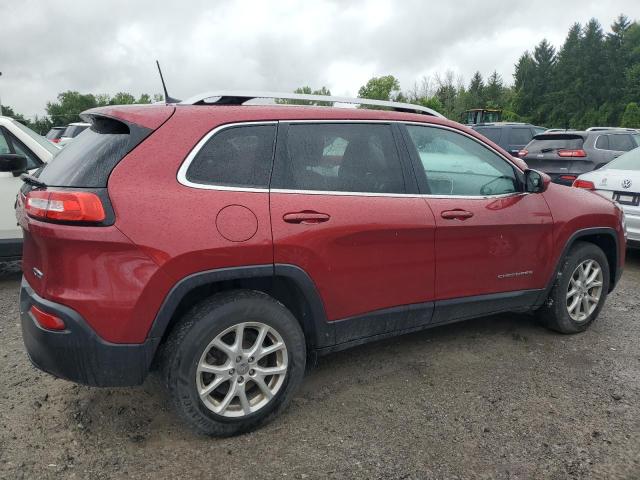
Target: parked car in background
(566,155)
(72,131)
(266,234)
(21,150)
(619,129)
(619,181)
(511,136)
(54,134)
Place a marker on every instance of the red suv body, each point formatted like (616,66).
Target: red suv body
(360,223)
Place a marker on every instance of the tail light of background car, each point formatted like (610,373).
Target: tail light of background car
(572,153)
(65,206)
(523,153)
(586,184)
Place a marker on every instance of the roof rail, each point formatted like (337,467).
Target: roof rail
(240,97)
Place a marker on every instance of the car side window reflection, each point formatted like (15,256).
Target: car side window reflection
(457,165)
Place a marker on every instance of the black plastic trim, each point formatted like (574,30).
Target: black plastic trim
(78,353)
(586,232)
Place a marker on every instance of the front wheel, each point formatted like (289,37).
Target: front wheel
(580,290)
(234,362)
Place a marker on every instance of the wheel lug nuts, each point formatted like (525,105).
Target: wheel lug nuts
(232,371)
(250,359)
(240,379)
(252,372)
(238,359)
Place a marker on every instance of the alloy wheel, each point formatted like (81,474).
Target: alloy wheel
(242,369)
(584,290)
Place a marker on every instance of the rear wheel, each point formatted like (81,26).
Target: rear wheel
(580,290)
(234,362)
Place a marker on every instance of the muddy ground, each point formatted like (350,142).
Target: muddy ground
(499,397)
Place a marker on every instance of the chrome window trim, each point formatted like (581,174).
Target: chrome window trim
(184,167)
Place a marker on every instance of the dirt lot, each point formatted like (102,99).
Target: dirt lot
(498,397)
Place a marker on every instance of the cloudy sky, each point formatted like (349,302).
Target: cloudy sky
(102,46)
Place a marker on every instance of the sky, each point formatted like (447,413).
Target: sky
(108,46)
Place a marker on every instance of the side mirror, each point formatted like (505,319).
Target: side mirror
(535,181)
(10,162)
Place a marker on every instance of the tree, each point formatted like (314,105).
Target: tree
(631,116)
(380,88)
(494,91)
(476,91)
(122,98)
(69,106)
(306,90)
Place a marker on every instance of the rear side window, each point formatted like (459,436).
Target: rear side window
(550,143)
(235,157)
(492,133)
(90,158)
(603,142)
(359,158)
(621,143)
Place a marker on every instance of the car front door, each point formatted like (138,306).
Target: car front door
(345,210)
(10,184)
(493,241)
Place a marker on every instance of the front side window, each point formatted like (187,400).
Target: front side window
(360,158)
(235,157)
(455,164)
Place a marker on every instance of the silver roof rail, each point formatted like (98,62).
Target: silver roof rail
(240,97)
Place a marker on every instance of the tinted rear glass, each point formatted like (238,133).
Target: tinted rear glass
(520,136)
(492,133)
(55,133)
(555,142)
(89,159)
(74,130)
(628,161)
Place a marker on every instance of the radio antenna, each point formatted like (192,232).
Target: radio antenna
(167,98)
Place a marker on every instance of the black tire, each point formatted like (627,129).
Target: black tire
(555,314)
(187,342)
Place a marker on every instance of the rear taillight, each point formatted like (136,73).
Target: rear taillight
(572,153)
(56,140)
(46,320)
(65,206)
(568,178)
(523,153)
(586,184)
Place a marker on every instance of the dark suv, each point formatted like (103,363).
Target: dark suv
(566,155)
(509,135)
(229,243)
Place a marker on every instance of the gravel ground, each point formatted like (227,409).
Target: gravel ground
(498,397)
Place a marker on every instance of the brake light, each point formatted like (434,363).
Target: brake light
(569,178)
(572,153)
(586,184)
(46,320)
(523,153)
(65,206)
(56,140)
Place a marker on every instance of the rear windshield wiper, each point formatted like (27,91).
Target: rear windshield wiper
(31,180)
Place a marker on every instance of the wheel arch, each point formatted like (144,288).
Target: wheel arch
(288,284)
(606,239)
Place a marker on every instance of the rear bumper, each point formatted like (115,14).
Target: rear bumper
(78,353)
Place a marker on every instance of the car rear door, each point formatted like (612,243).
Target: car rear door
(345,210)
(493,242)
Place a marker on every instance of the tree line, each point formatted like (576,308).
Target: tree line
(592,79)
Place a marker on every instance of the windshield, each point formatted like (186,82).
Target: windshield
(626,161)
(43,142)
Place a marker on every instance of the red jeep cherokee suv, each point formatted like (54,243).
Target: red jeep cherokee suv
(227,243)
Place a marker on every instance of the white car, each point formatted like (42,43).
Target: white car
(71,132)
(619,180)
(23,148)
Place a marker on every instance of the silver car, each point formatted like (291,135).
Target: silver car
(619,180)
